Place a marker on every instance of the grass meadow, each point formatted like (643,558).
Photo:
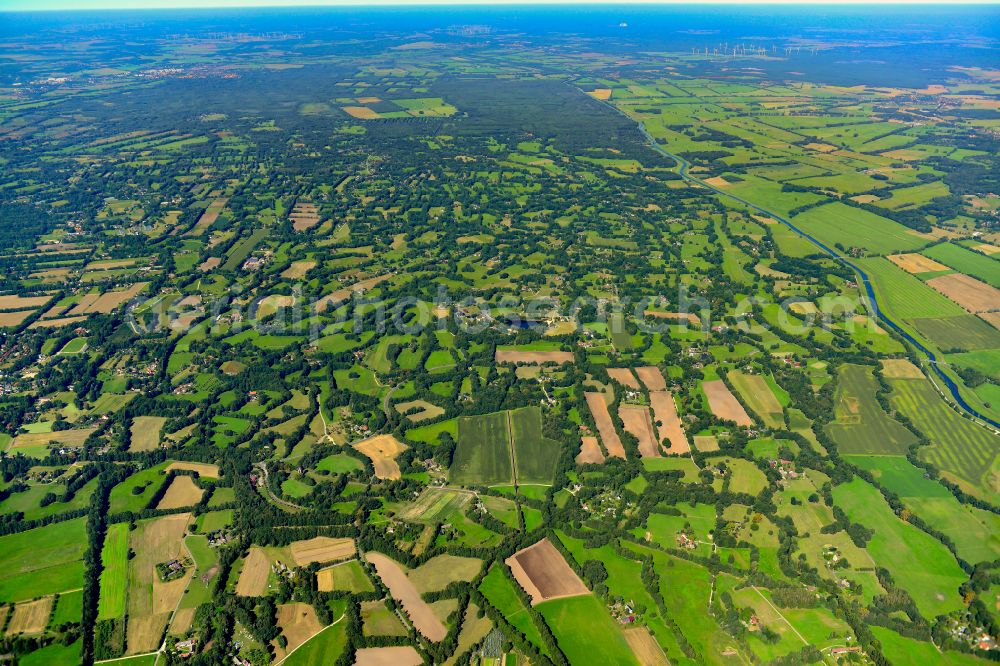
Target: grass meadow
(918,562)
(967,453)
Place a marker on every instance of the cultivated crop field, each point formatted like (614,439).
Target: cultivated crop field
(860,425)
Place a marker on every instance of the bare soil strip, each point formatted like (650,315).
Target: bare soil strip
(402,655)
(669,423)
(400,587)
(636,420)
(970,293)
(724,404)
(652,378)
(599,410)
(624,377)
(511,356)
(590,451)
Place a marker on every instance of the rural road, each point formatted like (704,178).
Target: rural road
(682,171)
(262,466)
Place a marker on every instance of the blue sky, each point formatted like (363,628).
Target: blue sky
(27,5)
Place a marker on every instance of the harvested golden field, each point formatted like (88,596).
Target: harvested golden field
(182,492)
(56,323)
(512,356)
(321,549)
(590,451)
(150,600)
(13,302)
(652,378)
(402,655)
(624,377)
(108,301)
(30,617)
(706,443)
(605,426)
(182,621)
(400,587)
(986,248)
(635,419)
(916,263)
(724,404)
(298,623)
(8,319)
(543,573)
(717,181)
(361,112)
(145,433)
(253,577)
(900,368)
(298,269)
(207,470)
(677,316)
(992,318)
(645,647)
(668,423)
(382,450)
(427,410)
(67,438)
(970,293)
(602,94)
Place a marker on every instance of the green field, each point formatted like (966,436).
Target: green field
(499,591)
(758,395)
(483,453)
(351,577)
(903,295)
(861,426)
(534,454)
(56,654)
(919,564)
(975,533)
(839,224)
(904,651)
(42,561)
(967,453)
(69,608)
(122,497)
(585,632)
(966,261)
(323,648)
(963,332)
(114,573)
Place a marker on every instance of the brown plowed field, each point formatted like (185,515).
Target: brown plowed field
(543,573)
(724,404)
(400,587)
(636,420)
(590,451)
(401,655)
(970,293)
(669,428)
(511,356)
(624,377)
(652,378)
(599,410)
